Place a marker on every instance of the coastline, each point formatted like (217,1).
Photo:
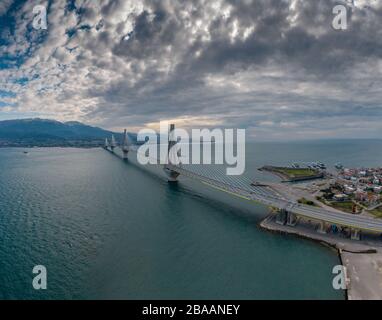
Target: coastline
(363,260)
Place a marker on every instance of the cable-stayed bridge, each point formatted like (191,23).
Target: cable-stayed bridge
(288,211)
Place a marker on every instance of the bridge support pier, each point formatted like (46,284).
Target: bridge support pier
(355,234)
(322,227)
(172,176)
(291,219)
(281,217)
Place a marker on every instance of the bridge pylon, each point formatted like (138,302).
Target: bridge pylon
(113,143)
(172,176)
(125,145)
(106,146)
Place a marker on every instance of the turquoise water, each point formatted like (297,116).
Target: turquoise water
(108,229)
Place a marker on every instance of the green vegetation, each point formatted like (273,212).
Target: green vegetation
(346,206)
(294,174)
(297,172)
(377,212)
(307,202)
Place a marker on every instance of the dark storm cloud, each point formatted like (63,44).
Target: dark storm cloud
(311,43)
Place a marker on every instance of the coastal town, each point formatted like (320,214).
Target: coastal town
(358,190)
(350,190)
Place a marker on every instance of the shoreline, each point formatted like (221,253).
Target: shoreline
(363,261)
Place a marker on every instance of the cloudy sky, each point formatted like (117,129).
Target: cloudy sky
(275,67)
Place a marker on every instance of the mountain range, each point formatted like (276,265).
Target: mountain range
(44,132)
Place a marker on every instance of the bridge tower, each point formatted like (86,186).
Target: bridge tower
(172,175)
(106,146)
(125,145)
(113,144)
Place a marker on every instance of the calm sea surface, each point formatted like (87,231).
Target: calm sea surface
(108,229)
